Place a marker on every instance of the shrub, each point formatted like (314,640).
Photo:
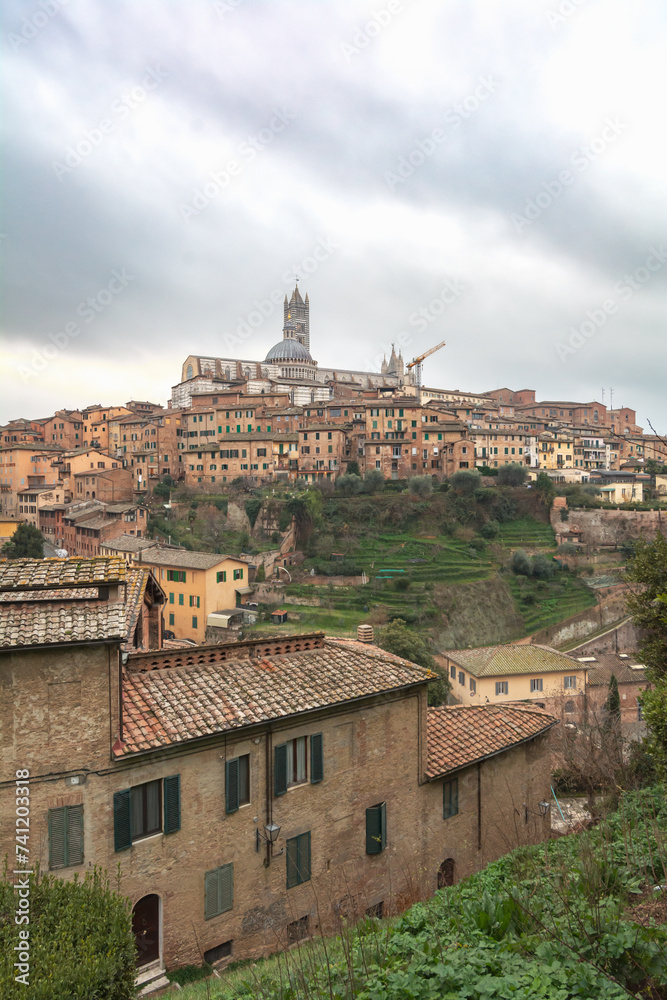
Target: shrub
(542,566)
(465,481)
(402,584)
(349,485)
(521,563)
(189,974)
(489,530)
(373,481)
(512,475)
(81,941)
(260,576)
(420,486)
(252,509)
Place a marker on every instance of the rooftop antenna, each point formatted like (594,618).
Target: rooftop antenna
(611,398)
(602,400)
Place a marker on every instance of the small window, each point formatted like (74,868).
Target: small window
(298,860)
(462,678)
(376,828)
(571,682)
(536,684)
(216,954)
(568,707)
(144,810)
(172,620)
(473,686)
(238,574)
(65,837)
(502,687)
(194,621)
(299,929)
(181,599)
(237,783)
(221,576)
(218,891)
(450,798)
(452,672)
(376,910)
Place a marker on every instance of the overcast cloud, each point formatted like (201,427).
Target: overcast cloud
(512,152)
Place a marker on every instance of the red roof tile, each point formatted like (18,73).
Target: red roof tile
(460,735)
(162,707)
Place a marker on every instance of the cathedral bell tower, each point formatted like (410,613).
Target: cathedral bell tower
(298,312)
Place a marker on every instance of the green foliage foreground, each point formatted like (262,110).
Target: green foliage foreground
(548,921)
(81,945)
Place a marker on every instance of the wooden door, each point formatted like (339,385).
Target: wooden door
(146,929)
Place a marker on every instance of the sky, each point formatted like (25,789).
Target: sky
(490,173)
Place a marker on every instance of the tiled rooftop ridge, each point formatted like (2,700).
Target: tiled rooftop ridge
(49,574)
(253,649)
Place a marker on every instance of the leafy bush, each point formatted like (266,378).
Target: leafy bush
(349,485)
(490,530)
(465,481)
(420,486)
(542,566)
(373,481)
(343,568)
(521,563)
(189,974)
(81,941)
(252,509)
(402,584)
(512,475)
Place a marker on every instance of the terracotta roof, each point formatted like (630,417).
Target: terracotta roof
(606,664)
(460,735)
(34,574)
(62,594)
(162,707)
(497,661)
(130,543)
(47,624)
(186,559)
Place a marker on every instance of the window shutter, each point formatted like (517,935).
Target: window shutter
(280,769)
(374,830)
(455,796)
(56,838)
(232,785)
(304,857)
(172,803)
(211,885)
(316,758)
(292,862)
(226,887)
(122,830)
(74,817)
(383,825)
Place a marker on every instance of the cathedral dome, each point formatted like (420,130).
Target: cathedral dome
(288,350)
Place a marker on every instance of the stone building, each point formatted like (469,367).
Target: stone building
(255,793)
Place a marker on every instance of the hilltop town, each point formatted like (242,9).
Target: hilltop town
(325,635)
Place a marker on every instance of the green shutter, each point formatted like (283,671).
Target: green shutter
(376,828)
(292,862)
(280,769)
(226,887)
(316,758)
(232,785)
(74,818)
(298,860)
(218,891)
(304,857)
(57,838)
(172,803)
(211,882)
(122,828)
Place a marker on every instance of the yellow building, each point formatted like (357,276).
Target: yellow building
(522,672)
(8,526)
(555,449)
(197,584)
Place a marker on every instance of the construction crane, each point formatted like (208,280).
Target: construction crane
(416,363)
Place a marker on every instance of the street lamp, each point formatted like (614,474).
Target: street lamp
(270,836)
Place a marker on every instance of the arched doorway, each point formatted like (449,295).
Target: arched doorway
(446,873)
(146,929)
